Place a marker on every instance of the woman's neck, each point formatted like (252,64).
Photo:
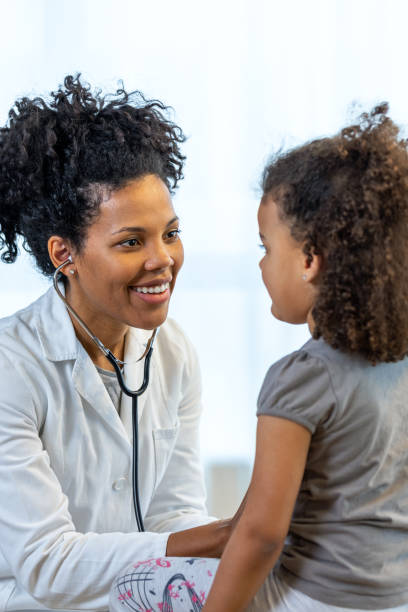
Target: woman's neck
(111,334)
(116,346)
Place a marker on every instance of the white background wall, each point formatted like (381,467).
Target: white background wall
(244,77)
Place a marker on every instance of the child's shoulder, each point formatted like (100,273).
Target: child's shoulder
(319,383)
(319,364)
(309,384)
(314,358)
(298,386)
(320,349)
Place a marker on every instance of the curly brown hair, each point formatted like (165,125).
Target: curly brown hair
(346,198)
(59,155)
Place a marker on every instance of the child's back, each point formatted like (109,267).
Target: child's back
(327,507)
(350,523)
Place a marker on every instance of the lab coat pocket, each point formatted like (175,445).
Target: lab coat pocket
(164,442)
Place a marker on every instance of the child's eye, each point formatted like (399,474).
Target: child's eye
(174,234)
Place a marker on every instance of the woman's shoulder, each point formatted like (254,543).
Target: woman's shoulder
(11,326)
(171,336)
(176,353)
(22,366)
(24,332)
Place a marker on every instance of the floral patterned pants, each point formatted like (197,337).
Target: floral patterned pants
(181,584)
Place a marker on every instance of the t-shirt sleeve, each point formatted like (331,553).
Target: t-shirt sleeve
(298,388)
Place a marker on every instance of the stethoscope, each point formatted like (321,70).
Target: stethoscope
(117,363)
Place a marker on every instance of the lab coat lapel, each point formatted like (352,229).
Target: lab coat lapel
(135,345)
(90,386)
(59,343)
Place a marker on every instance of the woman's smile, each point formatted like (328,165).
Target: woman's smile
(156,293)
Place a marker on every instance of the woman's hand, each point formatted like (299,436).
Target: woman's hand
(204,541)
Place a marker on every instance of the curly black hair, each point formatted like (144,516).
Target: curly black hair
(346,198)
(58,156)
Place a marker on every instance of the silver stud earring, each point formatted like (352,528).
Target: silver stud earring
(72,271)
(304,277)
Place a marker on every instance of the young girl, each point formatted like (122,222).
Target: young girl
(325,523)
(331,466)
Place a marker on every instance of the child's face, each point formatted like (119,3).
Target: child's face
(285,269)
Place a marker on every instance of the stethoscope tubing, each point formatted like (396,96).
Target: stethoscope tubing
(116,363)
(135,426)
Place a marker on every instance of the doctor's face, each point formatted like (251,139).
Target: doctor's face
(126,271)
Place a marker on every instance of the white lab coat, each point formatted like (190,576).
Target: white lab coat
(67,524)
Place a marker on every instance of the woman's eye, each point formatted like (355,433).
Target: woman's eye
(174,234)
(132,242)
(262,247)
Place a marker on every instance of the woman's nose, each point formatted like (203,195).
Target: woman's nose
(158,258)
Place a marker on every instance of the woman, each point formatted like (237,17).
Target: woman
(90,179)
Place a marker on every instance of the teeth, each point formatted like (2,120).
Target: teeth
(157,289)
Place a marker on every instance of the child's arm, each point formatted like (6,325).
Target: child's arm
(256,543)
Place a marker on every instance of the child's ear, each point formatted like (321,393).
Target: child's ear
(313,263)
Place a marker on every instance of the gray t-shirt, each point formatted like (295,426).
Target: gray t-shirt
(111,383)
(348,538)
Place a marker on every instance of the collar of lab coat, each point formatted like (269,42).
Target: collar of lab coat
(55,329)
(59,343)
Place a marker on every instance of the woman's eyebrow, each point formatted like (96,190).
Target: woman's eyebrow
(134,228)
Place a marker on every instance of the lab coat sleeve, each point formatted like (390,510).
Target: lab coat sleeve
(51,561)
(179,499)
